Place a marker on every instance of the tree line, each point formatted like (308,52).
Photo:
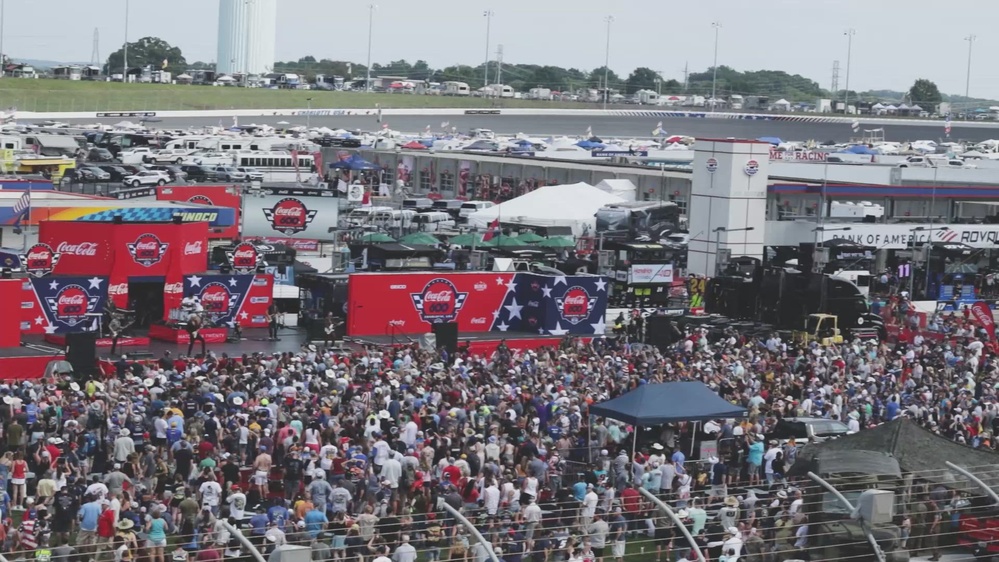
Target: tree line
(156,52)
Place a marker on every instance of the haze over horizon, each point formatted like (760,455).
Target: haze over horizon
(779,35)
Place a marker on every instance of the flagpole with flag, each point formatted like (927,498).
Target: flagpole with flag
(947,126)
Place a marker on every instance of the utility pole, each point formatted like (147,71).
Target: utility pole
(609,20)
(714,75)
(686,74)
(371,25)
(967,81)
(499,65)
(849,51)
(835,77)
(489,20)
(124,76)
(3,20)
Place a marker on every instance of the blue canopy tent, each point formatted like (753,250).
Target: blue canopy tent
(354,163)
(655,404)
(590,145)
(772,140)
(860,149)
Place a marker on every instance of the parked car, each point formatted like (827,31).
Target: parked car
(148,177)
(197,173)
(469,207)
(117,173)
(450,206)
(100,155)
(99,174)
(175,172)
(132,170)
(227,173)
(252,174)
(172,155)
(80,175)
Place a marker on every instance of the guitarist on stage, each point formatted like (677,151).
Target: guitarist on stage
(194,330)
(329,327)
(272,322)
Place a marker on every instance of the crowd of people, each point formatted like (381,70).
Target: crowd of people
(366,456)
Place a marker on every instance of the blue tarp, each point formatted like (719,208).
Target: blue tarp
(772,140)
(589,145)
(860,149)
(654,404)
(355,163)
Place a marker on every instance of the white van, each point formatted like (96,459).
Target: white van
(363,215)
(434,221)
(469,207)
(418,204)
(393,219)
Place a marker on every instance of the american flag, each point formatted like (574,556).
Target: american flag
(947,126)
(23,204)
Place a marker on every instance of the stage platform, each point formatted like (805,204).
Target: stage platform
(59,340)
(28,361)
(484,343)
(171,334)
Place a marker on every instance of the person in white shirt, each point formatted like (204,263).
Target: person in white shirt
(589,507)
(768,460)
(405,551)
(237,503)
(532,518)
(211,494)
(408,433)
(491,498)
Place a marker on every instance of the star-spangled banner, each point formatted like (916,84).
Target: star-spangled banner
(66,304)
(223,297)
(553,305)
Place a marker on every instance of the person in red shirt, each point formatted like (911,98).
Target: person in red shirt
(205,448)
(451,473)
(210,553)
(631,500)
(105,528)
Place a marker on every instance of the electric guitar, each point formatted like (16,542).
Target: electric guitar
(332,328)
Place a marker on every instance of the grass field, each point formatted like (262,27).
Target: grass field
(63,95)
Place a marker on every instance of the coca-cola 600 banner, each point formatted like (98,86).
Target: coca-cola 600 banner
(297,212)
(409,303)
(57,305)
(228,299)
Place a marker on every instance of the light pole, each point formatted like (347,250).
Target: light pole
(714,68)
(124,75)
(609,20)
(718,232)
(371,24)
(967,81)
(308,114)
(489,20)
(849,51)
(2,21)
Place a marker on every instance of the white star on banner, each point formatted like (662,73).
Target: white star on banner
(53,285)
(511,286)
(243,316)
(499,281)
(194,280)
(558,331)
(599,327)
(233,282)
(95,282)
(541,331)
(560,279)
(546,292)
(39,320)
(502,326)
(514,309)
(50,329)
(601,285)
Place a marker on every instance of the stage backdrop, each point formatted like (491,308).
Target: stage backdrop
(408,303)
(57,305)
(291,212)
(228,299)
(218,195)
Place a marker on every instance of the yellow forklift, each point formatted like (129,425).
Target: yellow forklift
(822,328)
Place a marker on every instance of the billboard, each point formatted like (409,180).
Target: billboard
(226,196)
(228,299)
(655,274)
(410,303)
(57,305)
(295,213)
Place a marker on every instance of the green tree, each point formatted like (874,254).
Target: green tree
(597,79)
(924,92)
(151,51)
(642,79)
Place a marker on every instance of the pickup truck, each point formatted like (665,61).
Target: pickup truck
(136,155)
(170,156)
(926,162)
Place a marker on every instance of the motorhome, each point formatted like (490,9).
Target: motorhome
(654,219)
(278,166)
(395,220)
(539,94)
(647,97)
(456,89)
(434,221)
(735,101)
(498,91)
(469,207)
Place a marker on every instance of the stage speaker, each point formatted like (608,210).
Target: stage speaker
(81,352)
(659,331)
(447,336)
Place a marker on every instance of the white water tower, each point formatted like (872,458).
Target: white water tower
(247,36)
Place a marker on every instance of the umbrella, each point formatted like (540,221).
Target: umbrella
(504,241)
(419,239)
(466,239)
(530,237)
(376,238)
(557,242)
(283,123)
(414,145)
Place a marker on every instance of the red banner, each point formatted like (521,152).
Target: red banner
(983,314)
(10,312)
(218,195)
(126,250)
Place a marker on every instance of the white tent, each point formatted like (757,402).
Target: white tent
(622,188)
(552,205)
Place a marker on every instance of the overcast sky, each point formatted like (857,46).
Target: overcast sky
(894,43)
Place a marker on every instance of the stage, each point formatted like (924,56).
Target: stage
(59,340)
(28,361)
(484,343)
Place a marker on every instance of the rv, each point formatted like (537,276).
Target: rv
(647,97)
(539,94)
(654,219)
(497,91)
(735,101)
(456,89)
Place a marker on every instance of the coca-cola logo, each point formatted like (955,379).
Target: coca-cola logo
(245,258)
(40,260)
(478,320)
(173,288)
(71,305)
(218,301)
(480,286)
(118,289)
(147,250)
(194,248)
(575,305)
(290,216)
(84,249)
(440,301)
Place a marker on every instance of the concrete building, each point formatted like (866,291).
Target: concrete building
(247,36)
